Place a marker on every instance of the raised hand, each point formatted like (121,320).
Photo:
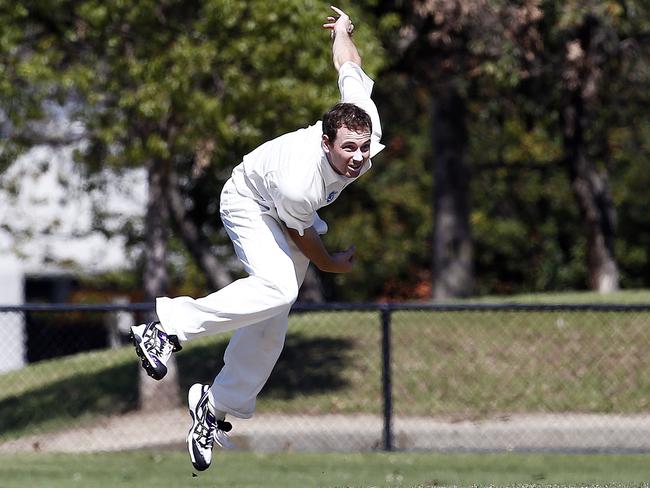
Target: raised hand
(339,24)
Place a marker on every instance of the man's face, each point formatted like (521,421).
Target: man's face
(349,151)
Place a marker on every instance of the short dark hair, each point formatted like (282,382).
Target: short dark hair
(348,115)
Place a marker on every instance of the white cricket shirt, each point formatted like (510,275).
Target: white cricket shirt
(291,176)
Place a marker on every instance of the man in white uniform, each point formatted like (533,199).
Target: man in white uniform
(268,208)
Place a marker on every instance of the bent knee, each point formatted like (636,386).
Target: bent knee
(285,294)
(289,294)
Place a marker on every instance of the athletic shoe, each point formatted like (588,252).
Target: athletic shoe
(154,348)
(205,430)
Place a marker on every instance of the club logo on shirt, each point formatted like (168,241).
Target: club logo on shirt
(331,196)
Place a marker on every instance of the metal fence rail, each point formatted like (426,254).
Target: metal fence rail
(447,377)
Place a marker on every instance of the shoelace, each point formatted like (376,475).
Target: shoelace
(208,431)
(221,434)
(205,431)
(158,343)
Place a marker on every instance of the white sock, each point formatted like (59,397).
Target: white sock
(219,415)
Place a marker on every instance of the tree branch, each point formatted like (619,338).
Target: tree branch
(35,138)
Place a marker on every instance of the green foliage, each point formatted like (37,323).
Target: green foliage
(509,62)
(159,80)
(197,84)
(630,190)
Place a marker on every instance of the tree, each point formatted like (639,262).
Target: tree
(181,88)
(547,68)
(453,47)
(587,52)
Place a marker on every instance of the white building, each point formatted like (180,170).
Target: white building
(47,225)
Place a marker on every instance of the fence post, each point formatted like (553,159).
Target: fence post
(386,377)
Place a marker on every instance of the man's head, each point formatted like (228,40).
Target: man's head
(346,138)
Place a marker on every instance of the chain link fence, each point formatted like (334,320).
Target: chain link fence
(351,377)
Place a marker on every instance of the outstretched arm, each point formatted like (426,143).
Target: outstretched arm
(343,49)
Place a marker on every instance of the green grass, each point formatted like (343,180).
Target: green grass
(459,365)
(472,365)
(620,297)
(144,469)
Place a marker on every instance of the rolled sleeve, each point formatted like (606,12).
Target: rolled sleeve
(292,207)
(320,226)
(296,215)
(356,87)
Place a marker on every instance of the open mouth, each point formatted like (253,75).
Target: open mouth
(355,166)
(354,170)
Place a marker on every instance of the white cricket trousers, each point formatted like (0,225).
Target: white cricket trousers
(257,306)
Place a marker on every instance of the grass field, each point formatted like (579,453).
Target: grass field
(459,365)
(618,297)
(144,469)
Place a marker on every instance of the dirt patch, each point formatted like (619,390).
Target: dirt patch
(272,432)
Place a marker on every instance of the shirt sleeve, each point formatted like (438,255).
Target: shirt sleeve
(293,208)
(356,87)
(320,226)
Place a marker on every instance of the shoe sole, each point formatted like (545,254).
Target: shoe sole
(155,373)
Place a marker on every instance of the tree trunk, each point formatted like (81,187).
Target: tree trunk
(453,274)
(591,190)
(195,241)
(157,395)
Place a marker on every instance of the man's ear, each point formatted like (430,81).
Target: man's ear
(325,143)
